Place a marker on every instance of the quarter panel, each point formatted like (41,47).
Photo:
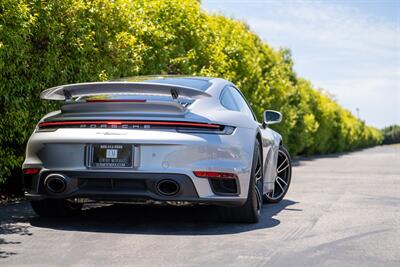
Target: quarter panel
(271,141)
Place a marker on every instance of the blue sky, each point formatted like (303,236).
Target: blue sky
(349,48)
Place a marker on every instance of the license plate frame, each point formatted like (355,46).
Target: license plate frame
(111,156)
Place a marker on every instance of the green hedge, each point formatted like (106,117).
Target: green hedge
(47,43)
(391,134)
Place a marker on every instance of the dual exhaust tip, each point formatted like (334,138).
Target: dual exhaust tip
(56,183)
(167,187)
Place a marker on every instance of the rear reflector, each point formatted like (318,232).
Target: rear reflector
(159,123)
(31,171)
(215,175)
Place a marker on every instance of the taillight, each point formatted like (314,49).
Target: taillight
(180,126)
(215,175)
(225,130)
(31,171)
(161,123)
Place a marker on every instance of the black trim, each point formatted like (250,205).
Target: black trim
(225,187)
(128,187)
(94,184)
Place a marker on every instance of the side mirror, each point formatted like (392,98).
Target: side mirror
(271,117)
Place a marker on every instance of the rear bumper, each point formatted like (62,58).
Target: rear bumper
(156,154)
(120,186)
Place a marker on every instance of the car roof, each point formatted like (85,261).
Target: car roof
(197,82)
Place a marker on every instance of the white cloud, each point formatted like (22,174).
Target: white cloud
(328,25)
(351,54)
(375,98)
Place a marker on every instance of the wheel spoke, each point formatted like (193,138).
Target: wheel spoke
(280,179)
(259,200)
(258,173)
(282,163)
(277,181)
(284,168)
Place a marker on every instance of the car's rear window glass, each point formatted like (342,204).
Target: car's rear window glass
(228,101)
(189,82)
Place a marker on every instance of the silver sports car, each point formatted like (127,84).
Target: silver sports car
(155,140)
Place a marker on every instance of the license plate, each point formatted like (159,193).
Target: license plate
(111,156)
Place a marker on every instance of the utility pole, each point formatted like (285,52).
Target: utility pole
(358,113)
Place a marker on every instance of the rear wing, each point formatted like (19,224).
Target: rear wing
(70,91)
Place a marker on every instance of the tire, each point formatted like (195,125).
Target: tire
(283,178)
(55,207)
(250,211)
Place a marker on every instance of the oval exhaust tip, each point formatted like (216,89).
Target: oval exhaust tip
(55,183)
(167,187)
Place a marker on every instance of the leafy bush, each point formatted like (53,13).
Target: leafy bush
(391,134)
(44,43)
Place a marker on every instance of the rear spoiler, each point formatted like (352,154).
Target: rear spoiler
(69,91)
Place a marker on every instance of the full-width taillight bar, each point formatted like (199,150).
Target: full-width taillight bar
(215,175)
(109,122)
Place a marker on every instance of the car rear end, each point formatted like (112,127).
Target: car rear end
(147,149)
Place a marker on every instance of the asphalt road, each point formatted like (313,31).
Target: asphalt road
(341,210)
